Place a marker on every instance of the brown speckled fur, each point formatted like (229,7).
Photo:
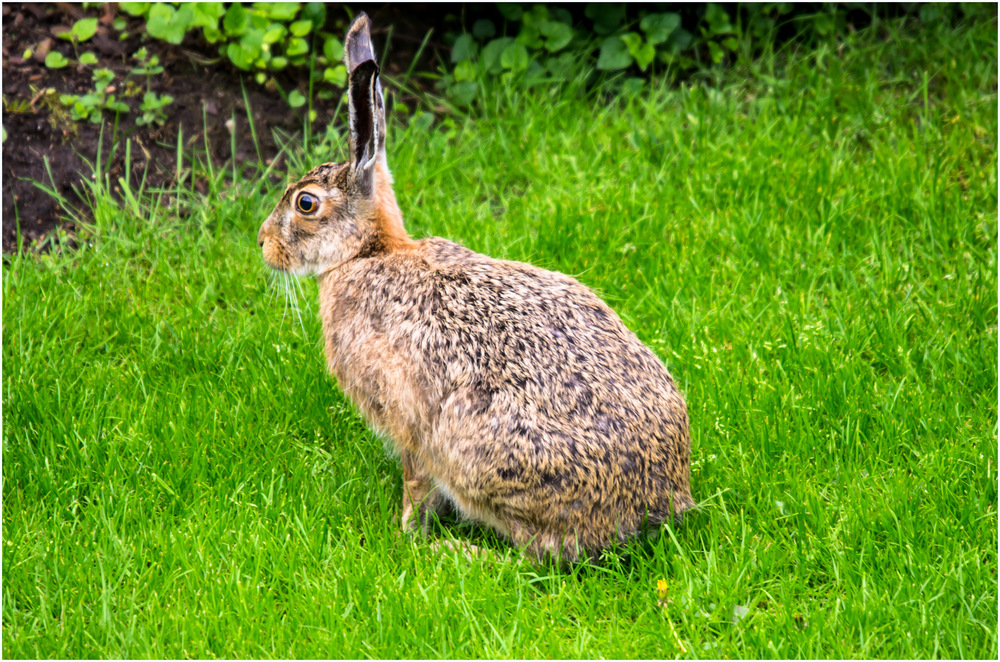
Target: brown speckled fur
(513,392)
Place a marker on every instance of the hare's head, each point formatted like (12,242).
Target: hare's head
(339,211)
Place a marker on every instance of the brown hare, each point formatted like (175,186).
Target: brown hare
(514,393)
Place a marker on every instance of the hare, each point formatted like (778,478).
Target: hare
(512,393)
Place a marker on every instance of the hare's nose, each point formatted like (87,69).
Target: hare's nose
(260,236)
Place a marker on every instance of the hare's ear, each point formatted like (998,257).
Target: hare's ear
(364,123)
(358,44)
(366,106)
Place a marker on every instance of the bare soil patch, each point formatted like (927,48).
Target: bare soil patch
(208,106)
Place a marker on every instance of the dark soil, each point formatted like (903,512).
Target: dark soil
(207,97)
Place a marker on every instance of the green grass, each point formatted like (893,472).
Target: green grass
(809,243)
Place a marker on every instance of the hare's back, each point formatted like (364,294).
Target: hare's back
(544,340)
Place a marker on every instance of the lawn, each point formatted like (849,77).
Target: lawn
(808,241)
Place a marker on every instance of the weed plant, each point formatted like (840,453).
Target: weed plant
(809,241)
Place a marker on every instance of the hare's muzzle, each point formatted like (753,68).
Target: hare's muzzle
(274,254)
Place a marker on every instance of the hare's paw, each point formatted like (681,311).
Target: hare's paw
(420,500)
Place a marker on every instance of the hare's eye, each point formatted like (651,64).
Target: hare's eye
(307,203)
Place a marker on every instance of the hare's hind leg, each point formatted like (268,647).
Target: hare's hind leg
(420,496)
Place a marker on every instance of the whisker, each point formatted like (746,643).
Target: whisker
(291,290)
(298,313)
(294,291)
(284,280)
(272,287)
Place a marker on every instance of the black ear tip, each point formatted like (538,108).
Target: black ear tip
(360,27)
(359,41)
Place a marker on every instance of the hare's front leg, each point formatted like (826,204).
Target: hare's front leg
(420,496)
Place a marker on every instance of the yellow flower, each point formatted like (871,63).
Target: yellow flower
(661,588)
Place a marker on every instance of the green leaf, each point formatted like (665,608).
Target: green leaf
(300,28)
(643,52)
(490,56)
(258,21)
(279,11)
(463,93)
(236,21)
(275,33)
(644,55)
(562,15)
(823,24)
(632,41)
(614,55)
(252,42)
(529,37)
(510,11)
(336,75)
(296,99)
(103,78)
(483,29)
(680,41)
(297,46)
(716,52)
(84,29)
(88,58)
(168,24)
(515,57)
(134,8)
(278,63)
(658,27)
(465,71)
(465,48)
(207,14)
(535,16)
(606,16)
(239,56)
(119,24)
(55,60)
(717,19)
(213,34)
(333,49)
(558,35)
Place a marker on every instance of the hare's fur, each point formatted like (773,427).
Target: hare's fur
(513,392)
